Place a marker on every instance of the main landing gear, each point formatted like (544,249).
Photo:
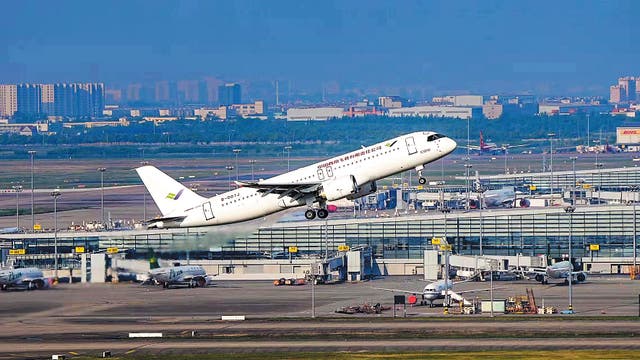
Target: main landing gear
(421,179)
(310,214)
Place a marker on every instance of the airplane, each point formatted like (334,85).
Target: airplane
(559,270)
(491,147)
(184,275)
(350,176)
(503,197)
(23,278)
(437,290)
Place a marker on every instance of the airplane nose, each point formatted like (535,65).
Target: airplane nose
(450,145)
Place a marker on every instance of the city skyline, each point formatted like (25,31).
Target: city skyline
(545,48)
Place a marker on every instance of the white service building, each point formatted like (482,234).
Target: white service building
(459,112)
(321,113)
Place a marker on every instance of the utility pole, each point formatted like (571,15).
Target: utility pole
(551,135)
(102,170)
(33,219)
(18,190)
(55,195)
(236,152)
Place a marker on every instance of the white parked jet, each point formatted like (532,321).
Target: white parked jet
(23,278)
(437,290)
(559,270)
(185,275)
(350,176)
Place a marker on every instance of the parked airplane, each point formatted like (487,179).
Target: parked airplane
(560,270)
(437,290)
(184,275)
(350,176)
(23,278)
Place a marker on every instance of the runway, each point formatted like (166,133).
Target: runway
(89,319)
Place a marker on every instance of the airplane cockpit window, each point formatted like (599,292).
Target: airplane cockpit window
(434,137)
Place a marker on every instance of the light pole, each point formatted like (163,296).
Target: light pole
(229,169)
(236,152)
(575,181)
(573,197)
(144,196)
(33,219)
(551,135)
(505,147)
(18,190)
(253,163)
(634,190)
(599,167)
(481,190)
(55,193)
(102,170)
(288,149)
(468,168)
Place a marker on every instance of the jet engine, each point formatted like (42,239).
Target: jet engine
(525,203)
(364,190)
(339,188)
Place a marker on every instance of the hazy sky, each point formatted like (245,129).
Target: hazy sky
(548,47)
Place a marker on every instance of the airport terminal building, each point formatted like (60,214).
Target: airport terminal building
(603,237)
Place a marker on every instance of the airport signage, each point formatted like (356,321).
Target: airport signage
(112,250)
(17,251)
(343,247)
(37,227)
(445,247)
(436,241)
(594,247)
(293,249)
(79,249)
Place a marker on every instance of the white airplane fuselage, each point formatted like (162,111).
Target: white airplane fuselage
(360,168)
(29,278)
(180,275)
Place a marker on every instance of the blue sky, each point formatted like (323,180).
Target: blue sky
(549,47)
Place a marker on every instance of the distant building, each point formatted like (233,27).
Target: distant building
(572,108)
(459,112)
(113,96)
(48,99)
(29,97)
(364,108)
(8,100)
(244,110)
(392,102)
(615,94)
(321,113)
(468,100)
(222,113)
(64,96)
(229,94)
(166,92)
(499,105)
(628,88)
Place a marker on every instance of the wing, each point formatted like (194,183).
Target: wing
(419,292)
(296,191)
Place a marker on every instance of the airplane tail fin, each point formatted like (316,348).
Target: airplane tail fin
(482,144)
(171,197)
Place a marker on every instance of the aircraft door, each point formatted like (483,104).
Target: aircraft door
(411,145)
(208,211)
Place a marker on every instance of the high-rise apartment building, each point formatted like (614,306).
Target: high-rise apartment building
(64,99)
(628,85)
(29,98)
(8,100)
(48,98)
(615,94)
(229,94)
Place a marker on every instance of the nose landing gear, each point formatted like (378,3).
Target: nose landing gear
(421,180)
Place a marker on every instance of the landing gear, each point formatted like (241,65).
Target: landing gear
(310,214)
(323,213)
(421,180)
